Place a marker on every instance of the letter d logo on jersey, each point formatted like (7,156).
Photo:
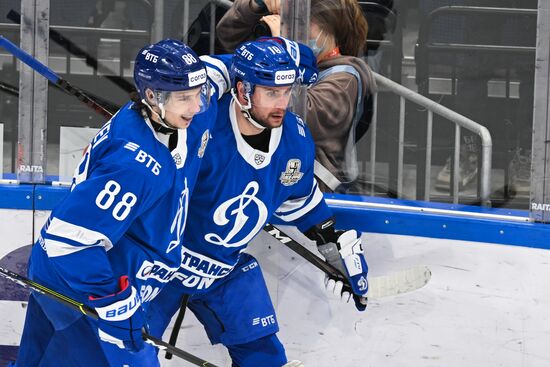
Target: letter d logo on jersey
(231,218)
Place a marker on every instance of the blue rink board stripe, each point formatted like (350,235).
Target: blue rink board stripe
(16,196)
(379,220)
(446,226)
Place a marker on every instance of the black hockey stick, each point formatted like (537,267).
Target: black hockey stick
(9,89)
(275,232)
(75,50)
(177,324)
(53,77)
(14,91)
(90,312)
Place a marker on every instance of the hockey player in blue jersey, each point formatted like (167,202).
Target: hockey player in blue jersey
(259,163)
(115,240)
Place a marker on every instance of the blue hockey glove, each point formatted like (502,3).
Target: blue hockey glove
(120,317)
(303,57)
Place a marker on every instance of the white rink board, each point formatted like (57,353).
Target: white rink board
(16,231)
(486,305)
(72,142)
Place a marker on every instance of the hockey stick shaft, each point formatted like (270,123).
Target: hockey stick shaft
(314,260)
(74,49)
(49,74)
(397,282)
(177,324)
(90,312)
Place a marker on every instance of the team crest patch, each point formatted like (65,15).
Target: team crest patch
(204,143)
(292,173)
(177,159)
(259,159)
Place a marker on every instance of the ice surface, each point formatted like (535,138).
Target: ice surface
(486,305)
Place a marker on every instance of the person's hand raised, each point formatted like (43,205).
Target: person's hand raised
(273,6)
(274,23)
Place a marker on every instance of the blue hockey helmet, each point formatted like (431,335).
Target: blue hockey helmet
(168,65)
(303,57)
(264,63)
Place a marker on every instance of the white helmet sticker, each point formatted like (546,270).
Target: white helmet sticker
(197,77)
(285,76)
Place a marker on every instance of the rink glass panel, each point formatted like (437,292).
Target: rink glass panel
(94,51)
(9,92)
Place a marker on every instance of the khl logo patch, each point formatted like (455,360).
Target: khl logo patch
(259,159)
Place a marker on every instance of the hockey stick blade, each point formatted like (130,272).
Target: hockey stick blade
(90,312)
(392,284)
(53,77)
(398,282)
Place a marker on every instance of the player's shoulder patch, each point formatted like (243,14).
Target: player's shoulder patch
(292,173)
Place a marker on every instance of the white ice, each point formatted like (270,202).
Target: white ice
(486,305)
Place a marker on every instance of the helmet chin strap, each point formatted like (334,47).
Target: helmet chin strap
(245,110)
(160,116)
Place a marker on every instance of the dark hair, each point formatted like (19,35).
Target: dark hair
(345,21)
(136,98)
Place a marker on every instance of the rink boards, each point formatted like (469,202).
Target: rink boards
(485,305)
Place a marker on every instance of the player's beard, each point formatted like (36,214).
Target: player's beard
(272,120)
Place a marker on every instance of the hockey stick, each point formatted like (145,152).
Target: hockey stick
(177,324)
(73,48)
(97,107)
(90,312)
(53,77)
(381,286)
(414,279)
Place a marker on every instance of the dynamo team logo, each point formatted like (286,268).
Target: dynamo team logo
(227,214)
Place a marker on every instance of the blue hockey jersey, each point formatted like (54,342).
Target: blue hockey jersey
(126,212)
(240,188)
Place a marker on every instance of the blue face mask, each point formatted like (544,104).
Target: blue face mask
(312,43)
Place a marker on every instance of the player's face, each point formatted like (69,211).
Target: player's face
(181,106)
(269,105)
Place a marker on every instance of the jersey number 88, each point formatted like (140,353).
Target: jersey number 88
(107,197)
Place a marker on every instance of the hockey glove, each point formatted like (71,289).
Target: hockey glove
(120,317)
(343,250)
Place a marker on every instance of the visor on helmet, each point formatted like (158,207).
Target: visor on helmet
(267,96)
(189,101)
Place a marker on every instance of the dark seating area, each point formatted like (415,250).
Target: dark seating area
(478,59)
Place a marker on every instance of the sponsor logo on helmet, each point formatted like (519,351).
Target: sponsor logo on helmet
(246,53)
(285,76)
(239,72)
(151,57)
(197,78)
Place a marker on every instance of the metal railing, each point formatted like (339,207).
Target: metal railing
(432,107)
